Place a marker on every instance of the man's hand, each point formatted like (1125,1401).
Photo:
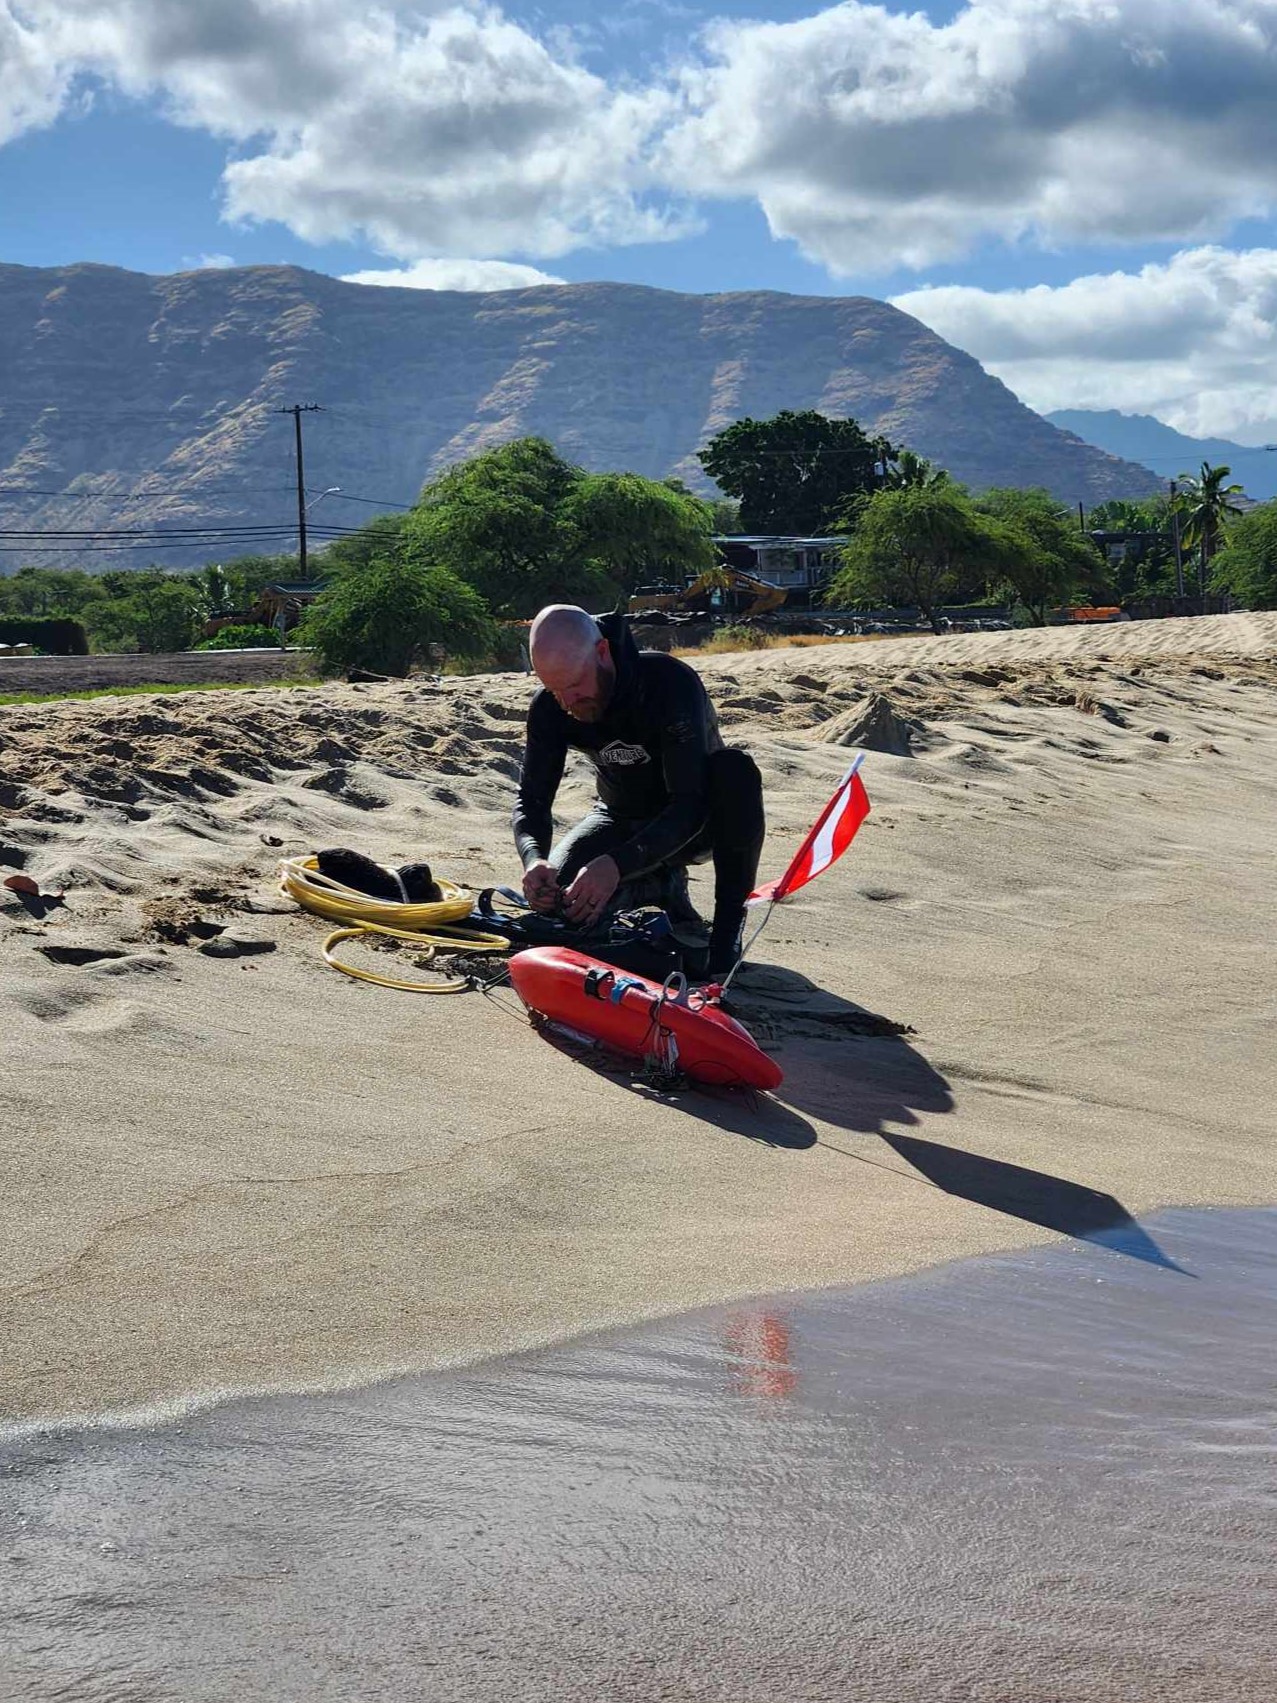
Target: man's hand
(590,892)
(541,885)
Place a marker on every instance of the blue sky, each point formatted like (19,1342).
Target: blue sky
(1082,193)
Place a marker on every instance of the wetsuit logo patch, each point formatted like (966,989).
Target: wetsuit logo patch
(618,755)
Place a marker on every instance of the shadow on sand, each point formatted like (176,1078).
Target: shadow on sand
(1036,1197)
(37,905)
(855,1070)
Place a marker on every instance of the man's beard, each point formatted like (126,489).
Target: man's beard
(591,711)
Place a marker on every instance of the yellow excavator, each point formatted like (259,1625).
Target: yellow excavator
(765,595)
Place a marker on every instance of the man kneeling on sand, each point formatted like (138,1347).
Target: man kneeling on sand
(670,792)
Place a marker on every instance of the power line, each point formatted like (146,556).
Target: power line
(144,496)
(376,502)
(54,543)
(149,531)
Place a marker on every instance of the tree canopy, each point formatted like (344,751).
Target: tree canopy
(1247,564)
(144,609)
(386,615)
(1043,558)
(797,472)
(525,527)
(919,545)
(1147,564)
(637,529)
(48,591)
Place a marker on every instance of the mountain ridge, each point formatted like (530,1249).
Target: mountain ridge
(154,400)
(1168,452)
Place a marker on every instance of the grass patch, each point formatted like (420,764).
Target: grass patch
(151,691)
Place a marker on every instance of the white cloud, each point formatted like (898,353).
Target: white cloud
(878,140)
(1193,341)
(456,275)
(208,262)
(425,129)
(34,78)
(873,139)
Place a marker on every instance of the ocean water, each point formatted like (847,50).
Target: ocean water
(1048,1477)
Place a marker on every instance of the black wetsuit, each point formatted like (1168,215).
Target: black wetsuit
(670,792)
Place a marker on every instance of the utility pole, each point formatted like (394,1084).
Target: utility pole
(297,410)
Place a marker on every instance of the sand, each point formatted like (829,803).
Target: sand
(237,1173)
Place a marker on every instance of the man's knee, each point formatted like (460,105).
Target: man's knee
(589,839)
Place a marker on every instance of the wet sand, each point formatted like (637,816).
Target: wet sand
(1039,991)
(1020,1479)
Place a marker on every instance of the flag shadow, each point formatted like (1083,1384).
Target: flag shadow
(1034,1197)
(855,1070)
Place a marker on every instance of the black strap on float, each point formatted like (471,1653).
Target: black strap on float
(596,985)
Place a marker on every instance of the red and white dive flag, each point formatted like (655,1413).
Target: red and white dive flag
(834,831)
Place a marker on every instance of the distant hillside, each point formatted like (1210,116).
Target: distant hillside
(1143,438)
(129,401)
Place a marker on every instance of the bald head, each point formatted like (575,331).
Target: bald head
(562,632)
(572,660)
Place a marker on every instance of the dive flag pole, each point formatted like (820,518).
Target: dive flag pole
(826,841)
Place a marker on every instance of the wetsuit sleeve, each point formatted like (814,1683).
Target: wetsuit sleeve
(543,760)
(682,720)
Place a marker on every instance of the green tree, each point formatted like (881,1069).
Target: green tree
(387,615)
(496,521)
(144,610)
(526,528)
(724,512)
(796,472)
(246,577)
(906,470)
(1146,565)
(1206,508)
(1246,566)
(636,530)
(381,536)
(1042,558)
(217,598)
(43,592)
(919,545)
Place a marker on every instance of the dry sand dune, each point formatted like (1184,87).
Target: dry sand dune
(242,1171)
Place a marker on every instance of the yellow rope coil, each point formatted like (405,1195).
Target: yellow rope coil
(430,927)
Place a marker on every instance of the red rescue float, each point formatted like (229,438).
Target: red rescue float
(640,1018)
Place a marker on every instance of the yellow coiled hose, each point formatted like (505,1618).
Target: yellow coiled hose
(430,928)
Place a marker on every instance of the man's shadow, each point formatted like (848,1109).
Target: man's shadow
(856,1070)
(844,1064)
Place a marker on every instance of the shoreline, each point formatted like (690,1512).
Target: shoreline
(195,1405)
(1050,1465)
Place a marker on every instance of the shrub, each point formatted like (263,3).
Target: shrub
(55,637)
(744,638)
(387,615)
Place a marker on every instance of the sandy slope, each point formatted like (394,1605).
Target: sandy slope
(227,1173)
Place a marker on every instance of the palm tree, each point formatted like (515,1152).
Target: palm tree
(914,473)
(1206,507)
